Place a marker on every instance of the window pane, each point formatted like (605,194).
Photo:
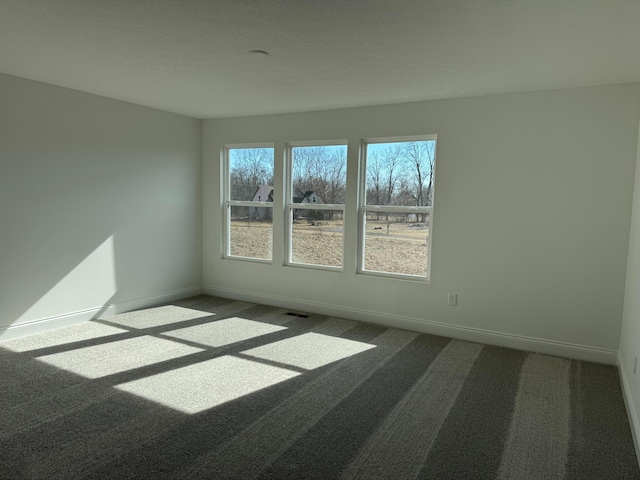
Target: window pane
(396,242)
(317,237)
(251,232)
(251,174)
(319,174)
(400,173)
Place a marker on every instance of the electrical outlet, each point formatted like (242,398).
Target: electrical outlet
(635,365)
(453,299)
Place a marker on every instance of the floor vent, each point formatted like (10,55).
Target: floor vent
(295,314)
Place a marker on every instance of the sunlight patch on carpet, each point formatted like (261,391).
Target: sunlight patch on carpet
(61,336)
(224,332)
(309,351)
(204,385)
(155,317)
(119,356)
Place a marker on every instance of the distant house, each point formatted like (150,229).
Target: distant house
(264,193)
(308,197)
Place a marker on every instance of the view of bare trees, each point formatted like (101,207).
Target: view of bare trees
(401,174)
(248,169)
(322,170)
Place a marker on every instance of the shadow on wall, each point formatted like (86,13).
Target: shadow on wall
(83,293)
(96,196)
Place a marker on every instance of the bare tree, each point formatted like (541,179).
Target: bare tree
(392,158)
(420,162)
(303,168)
(375,173)
(328,177)
(249,168)
(383,174)
(322,170)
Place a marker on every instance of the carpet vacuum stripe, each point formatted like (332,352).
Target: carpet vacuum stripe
(245,456)
(600,433)
(330,445)
(470,442)
(357,401)
(129,430)
(401,445)
(181,446)
(538,439)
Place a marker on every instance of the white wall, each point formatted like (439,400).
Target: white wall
(531,222)
(630,338)
(100,204)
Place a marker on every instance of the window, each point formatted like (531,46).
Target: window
(315,204)
(249,202)
(396,206)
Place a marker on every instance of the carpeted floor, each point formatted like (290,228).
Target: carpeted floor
(209,388)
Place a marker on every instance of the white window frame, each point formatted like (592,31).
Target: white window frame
(290,206)
(364,208)
(228,203)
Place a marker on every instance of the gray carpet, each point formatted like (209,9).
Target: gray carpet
(209,388)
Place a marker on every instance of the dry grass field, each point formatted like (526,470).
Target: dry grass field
(402,250)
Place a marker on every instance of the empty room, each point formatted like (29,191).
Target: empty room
(319,240)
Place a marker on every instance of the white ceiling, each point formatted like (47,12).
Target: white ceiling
(191,56)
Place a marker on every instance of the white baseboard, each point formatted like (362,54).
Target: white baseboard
(49,323)
(629,404)
(561,349)
(146,302)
